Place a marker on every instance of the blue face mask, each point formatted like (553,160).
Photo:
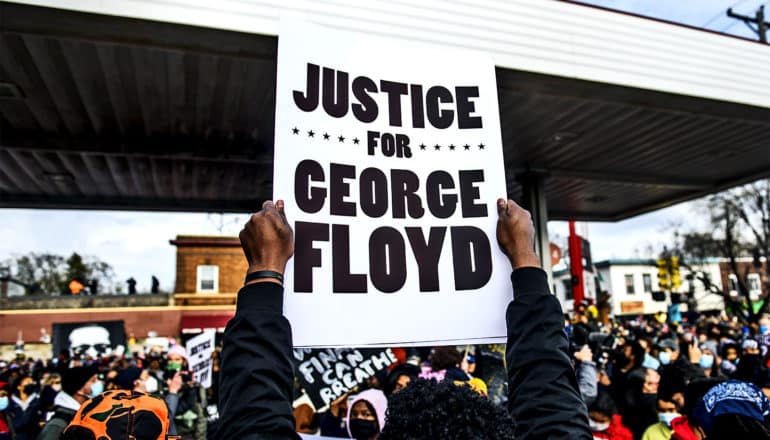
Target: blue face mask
(664,357)
(666,418)
(96,389)
(3,403)
(763,329)
(706,361)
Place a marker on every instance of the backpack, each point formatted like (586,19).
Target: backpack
(119,414)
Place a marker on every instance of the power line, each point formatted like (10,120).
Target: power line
(758,19)
(721,14)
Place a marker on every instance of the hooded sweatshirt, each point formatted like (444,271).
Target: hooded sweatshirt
(377,399)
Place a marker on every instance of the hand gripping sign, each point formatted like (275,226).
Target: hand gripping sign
(389,160)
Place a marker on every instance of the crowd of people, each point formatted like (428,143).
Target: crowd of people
(573,377)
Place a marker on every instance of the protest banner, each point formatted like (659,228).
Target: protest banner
(93,339)
(199,350)
(389,160)
(327,374)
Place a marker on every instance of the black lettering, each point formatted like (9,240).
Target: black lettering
(306,257)
(439,118)
(472,257)
(335,99)
(373,192)
(418,119)
(427,255)
(440,205)
(465,107)
(367,110)
(339,189)
(343,280)
(309,100)
(387,259)
(310,200)
(394,90)
(469,193)
(404,185)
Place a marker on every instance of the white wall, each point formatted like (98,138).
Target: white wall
(551,37)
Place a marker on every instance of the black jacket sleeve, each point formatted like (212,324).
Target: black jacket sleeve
(544,399)
(257,377)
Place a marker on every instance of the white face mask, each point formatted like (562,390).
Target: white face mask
(598,427)
(151,385)
(56,387)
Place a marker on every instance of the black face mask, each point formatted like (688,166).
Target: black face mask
(30,388)
(363,429)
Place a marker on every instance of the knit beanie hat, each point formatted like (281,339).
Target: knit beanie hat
(73,379)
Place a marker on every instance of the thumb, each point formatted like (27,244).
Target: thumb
(502,207)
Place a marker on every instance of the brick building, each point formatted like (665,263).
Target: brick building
(754,277)
(208,264)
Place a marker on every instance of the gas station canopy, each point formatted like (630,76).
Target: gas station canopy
(171,107)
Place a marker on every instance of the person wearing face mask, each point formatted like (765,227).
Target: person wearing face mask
(668,410)
(366,415)
(6,427)
(137,379)
(708,361)
(51,387)
(24,408)
(604,420)
(731,410)
(78,385)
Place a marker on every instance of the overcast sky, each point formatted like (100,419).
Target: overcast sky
(136,243)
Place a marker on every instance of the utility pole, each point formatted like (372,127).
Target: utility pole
(758,19)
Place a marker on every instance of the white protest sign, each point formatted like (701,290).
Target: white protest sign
(199,350)
(389,159)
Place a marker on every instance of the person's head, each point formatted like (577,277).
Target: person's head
(445,357)
(601,411)
(400,377)
(633,354)
(668,410)
(53,380)
(24,386)
(176,357)
(136,379)
(4,395)
(427,410)
(668,351)
(366,414)
(81,383)
(750,347)
(731,352)
(731,410)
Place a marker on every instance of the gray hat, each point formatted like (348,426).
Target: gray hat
(710,346)
(668,343)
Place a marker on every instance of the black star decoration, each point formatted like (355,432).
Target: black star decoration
(422,146)
(467,147)
(341,138)
(326,136)
(481,146)
(295,130)
(452,147)
(311,133)
(355,141)
(437,147)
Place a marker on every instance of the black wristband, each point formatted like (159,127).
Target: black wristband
(263,274)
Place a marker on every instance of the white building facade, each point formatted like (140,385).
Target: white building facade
(631,283)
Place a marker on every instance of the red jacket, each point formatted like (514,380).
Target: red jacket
(616,431)
(682,429)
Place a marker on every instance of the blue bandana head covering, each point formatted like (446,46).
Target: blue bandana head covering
(731,397)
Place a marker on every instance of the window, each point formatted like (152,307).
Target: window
(208,279)
(754,286)
(568,294)
(647,280)
(630,284)
(732,280)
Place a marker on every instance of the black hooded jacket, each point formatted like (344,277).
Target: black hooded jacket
(257,379)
